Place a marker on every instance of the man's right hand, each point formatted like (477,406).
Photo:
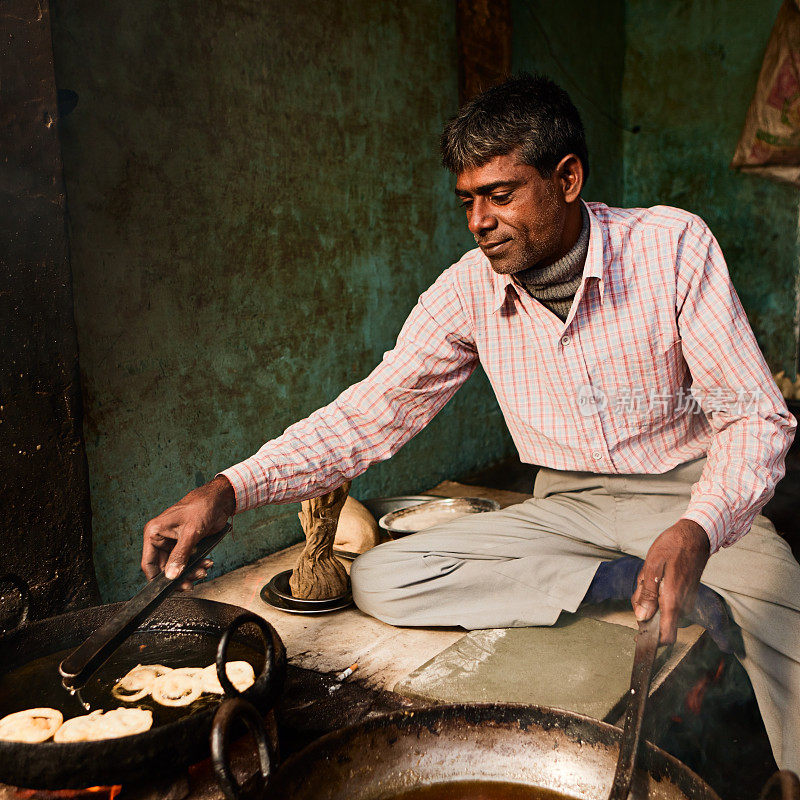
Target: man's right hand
(170,537)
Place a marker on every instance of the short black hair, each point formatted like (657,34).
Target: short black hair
(528,113)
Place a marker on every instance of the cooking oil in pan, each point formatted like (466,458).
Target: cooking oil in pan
(38,682)
(480,790)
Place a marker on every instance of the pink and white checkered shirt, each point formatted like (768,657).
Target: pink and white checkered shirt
(607,391)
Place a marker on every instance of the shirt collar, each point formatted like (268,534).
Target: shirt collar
(593,268)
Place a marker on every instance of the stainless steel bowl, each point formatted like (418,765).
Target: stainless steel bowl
(419,518)
(379,506)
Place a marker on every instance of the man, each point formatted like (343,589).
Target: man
(592,323)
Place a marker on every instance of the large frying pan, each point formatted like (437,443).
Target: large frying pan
(180,621)
(386,756)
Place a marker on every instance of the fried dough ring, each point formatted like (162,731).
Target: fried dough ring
(79,729)
(240,674)
(138,682)
(177,688)
(31,725)
(111,725)
(192,672)
(127,721)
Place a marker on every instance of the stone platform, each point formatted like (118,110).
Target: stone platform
(582,664)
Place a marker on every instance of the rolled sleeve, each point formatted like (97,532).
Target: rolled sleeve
(752,428)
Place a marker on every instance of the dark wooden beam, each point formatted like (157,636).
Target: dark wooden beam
(483,29)
(45,532)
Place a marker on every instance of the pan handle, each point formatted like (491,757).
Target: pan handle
(231,710)
(25,599)
(783,785)
(265,631)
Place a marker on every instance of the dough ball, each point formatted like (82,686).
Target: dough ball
(357,531)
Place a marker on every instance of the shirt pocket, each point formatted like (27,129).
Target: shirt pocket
(642,384)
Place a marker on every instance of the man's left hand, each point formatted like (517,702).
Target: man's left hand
(670,576)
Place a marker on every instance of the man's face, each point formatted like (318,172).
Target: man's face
(516,215)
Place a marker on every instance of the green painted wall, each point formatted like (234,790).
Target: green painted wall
(681,74)
(690,71)
(580,44)
(256,202)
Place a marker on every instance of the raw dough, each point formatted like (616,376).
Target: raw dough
(319,575)
(357,531)
(789,390)
(31,725)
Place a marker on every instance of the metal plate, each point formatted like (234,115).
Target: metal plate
(345,554)
(283,605)
(278,594)
(417,518)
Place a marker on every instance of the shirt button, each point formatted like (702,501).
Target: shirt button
(565,340)
(597,455)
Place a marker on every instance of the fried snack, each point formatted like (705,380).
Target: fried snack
(31,725)
(108,725)
(177,687)
(239,673)
(190,671)
(127,721)
(79,729)
(138,682)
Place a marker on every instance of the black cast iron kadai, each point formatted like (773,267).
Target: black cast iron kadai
(183,631)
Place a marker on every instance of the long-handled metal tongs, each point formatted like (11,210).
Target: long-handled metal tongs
(82,662)
(643,660)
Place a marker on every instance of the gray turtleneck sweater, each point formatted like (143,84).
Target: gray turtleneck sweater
(554,286)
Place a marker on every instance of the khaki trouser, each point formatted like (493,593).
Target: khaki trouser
(526,564)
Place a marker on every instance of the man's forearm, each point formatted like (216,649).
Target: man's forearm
(222,489)
(745,462)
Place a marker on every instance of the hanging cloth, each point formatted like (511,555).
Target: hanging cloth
(770,142)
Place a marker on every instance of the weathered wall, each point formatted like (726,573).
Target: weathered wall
(256,202)
(663,89)
(690,71)
(580,44)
